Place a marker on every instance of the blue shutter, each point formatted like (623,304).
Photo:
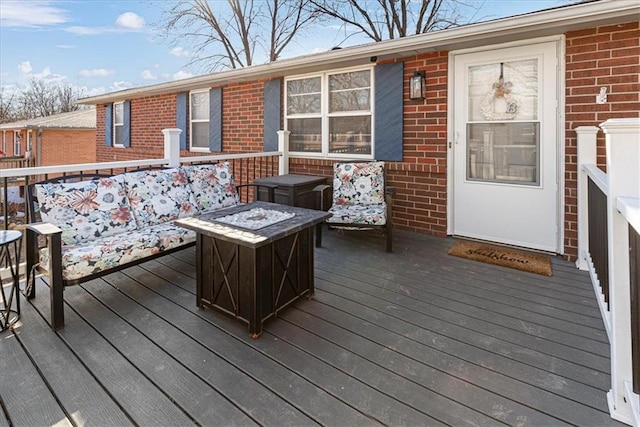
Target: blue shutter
(108,125)
(272,112)
(181,117)
(389,111)
(215,119)
(126,125)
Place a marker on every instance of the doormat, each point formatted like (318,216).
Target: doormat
(502,256)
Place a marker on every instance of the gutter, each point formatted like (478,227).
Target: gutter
(535,24)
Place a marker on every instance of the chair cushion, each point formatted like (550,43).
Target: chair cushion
(108,252)
(158,196)
(358,214)
(212,185)
(86,210)
(358,183)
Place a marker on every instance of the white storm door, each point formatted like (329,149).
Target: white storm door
(506,146)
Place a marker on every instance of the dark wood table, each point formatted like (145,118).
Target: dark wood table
(293,190)
(253,274)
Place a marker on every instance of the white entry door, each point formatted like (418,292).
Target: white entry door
(505,183)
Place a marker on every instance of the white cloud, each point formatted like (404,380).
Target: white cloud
(93,91)
(182,75)
(25,67)
(96,72)
(65,46)
(126,22)
(130,21)
(34,13)
(121,85)
(179,51)
(148,75)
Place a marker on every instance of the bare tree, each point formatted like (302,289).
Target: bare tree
(390,19)
(229,38)
(7,107)
(38,99)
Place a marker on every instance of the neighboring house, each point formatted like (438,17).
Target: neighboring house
(53,140)
(489,152)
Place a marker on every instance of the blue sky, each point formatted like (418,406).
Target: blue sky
(108,45)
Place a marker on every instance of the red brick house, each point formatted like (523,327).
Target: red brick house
(58,139)
(487,151)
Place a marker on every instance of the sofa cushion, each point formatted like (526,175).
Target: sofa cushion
(358,214)
(212,185)
(158,196)
(358,183)
(86,210)
(109,252)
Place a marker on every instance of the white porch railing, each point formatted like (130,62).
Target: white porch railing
(621,189)
(247,166)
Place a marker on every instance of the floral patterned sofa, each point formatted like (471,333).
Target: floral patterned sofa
(106,223)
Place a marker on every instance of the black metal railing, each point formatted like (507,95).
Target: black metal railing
(598,236)
(634,277)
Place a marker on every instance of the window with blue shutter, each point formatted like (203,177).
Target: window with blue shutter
(108,125)
(181,117)
(272,114)
(215,119)
(389,111)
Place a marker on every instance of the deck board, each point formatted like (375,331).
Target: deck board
(415,337)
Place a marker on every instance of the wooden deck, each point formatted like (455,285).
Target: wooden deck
(411,338)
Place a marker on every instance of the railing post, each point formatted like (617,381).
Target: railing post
(283,147)
(172,146)
(623,170)
(587,154)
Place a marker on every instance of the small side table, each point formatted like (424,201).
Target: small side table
(293,190)
(10,249)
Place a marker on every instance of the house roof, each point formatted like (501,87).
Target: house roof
(80,119)
(547,22)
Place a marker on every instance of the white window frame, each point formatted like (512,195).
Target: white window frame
(192,121)
(17,142)
(116,124)
(325,115)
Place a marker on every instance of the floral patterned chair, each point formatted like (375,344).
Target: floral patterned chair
(360,200)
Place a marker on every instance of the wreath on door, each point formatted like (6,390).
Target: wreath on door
(499,103)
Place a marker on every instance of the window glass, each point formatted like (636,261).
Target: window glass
(350,91)
(350,135)
(118,123)
(304,96)
(306,135)
(331,113)
(199,113)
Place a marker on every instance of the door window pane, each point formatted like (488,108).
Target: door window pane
(504,91)
(504,152)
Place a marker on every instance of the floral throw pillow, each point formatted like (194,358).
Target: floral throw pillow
(86,210)
(213,186)
(358,183)
(158,196)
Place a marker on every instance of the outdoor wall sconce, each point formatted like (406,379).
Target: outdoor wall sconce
(416,86)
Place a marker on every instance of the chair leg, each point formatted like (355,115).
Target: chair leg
(389,233)
(55,282)
(319,235)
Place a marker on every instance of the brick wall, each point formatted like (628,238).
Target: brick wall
(149,115)
(62,147)
(605,56)
(420,179)
(597,57)
(242,122)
